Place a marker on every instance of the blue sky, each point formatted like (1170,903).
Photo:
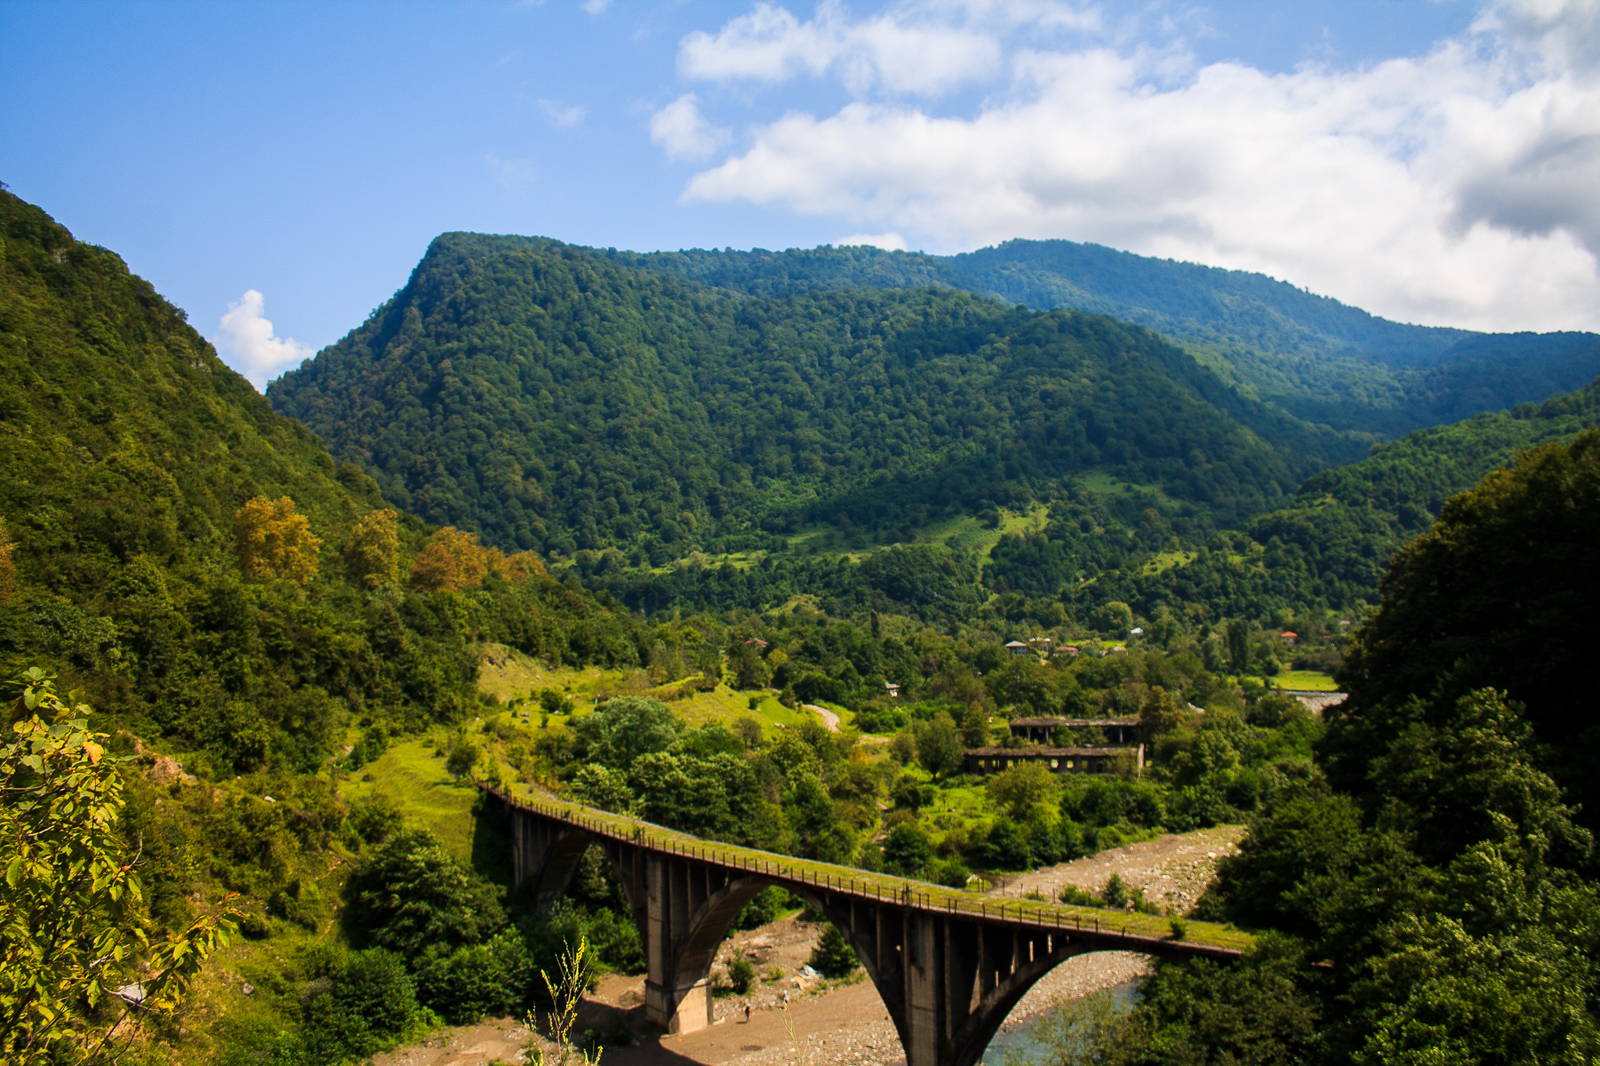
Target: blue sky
(1430,161)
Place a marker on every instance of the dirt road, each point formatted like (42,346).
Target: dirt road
(829,719)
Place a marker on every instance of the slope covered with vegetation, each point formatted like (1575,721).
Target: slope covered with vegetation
(1333,544)
(552,398)
(1430,884)
(1314,357)
(128,452)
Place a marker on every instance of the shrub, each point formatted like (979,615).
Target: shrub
(952,873)
(833,956)
(1077,897)
(470,982)
(375,820)
(299,902)
(741,975)
(907,850)
(412,894)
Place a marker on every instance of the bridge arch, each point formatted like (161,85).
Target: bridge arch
(949,967)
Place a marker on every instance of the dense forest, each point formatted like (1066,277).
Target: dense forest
(548,398)
(1316,358)
(710,430)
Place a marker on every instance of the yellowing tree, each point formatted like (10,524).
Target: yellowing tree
(451,560)
(272,541)
(517,568)
(70,935)
(372,554)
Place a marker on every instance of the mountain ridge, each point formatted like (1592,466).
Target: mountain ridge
(1317,358)
(510,373)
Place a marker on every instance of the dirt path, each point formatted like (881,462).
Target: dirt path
(829,719)
(795,1019)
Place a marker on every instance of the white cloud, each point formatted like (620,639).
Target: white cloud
(683,133)
(246,342)
(563,115)
(594,7)
(901,49)
(1456,187)
(889,242)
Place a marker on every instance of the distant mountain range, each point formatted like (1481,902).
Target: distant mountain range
(571,399)
(1317,358)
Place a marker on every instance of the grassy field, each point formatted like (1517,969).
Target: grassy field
(514,680)
(411,775)
(1304,681)
(1166,561)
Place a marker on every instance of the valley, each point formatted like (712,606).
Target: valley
(843,557)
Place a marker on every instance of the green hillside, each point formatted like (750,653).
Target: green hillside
(553,398)
(126,447)
(1316,358)
(1333,544)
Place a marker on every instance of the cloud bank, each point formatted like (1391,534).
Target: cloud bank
(247,343)
(1456,187)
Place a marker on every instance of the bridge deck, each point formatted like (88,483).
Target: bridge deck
(1128,931)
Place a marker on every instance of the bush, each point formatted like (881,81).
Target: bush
(951,873)
(907,850)
(1077,897)
(299,902)
(1005,847)
(833,956)
(462,757)
(374,820)
(375,986)
(741,975)
(480,979)
(412,895)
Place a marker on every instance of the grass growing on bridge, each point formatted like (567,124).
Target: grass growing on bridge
(1202,935)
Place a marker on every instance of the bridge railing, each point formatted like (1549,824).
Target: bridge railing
(1140,931)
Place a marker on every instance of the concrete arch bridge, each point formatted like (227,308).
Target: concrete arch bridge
(949,965)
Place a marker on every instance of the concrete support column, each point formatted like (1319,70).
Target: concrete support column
(677,1007)
(922,981)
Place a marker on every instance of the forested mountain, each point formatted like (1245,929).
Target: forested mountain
(1317,358)
(128,454)
(624,411)
(1333,544)
(552,398)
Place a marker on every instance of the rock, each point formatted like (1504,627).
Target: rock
(248,989)
(166,770)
